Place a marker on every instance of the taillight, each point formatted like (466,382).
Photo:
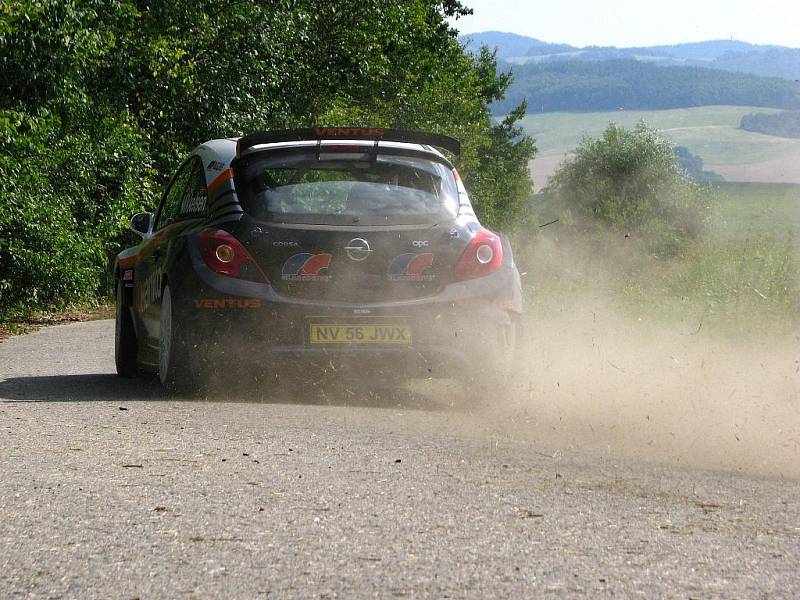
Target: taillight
(226,255)
(483,256)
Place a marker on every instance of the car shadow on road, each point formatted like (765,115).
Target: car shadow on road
(108,387)
(76,388)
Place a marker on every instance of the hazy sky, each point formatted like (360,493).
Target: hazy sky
(639,22)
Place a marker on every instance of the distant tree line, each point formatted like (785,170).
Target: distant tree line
(692,166)
(783,124)
(637,85)
(100,99)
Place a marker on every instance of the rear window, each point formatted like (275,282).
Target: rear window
(339,189)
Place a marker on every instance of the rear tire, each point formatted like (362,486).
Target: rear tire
(174,356)
(125,346)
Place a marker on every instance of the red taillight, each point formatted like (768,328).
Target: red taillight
(483,256)
(226,255)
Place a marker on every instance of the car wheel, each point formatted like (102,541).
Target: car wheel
(125,347)
(174,357)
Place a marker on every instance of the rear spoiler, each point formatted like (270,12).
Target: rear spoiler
(376,134)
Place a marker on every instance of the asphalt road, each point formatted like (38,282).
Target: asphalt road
(108,490)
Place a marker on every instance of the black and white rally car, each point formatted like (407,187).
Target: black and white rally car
(318,248)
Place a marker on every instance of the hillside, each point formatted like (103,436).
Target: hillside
(638,85)
(711,132)
(704,51)
(726,55)
(510,45)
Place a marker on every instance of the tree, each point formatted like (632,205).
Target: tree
(126,88)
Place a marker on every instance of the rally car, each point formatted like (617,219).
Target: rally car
(323,248)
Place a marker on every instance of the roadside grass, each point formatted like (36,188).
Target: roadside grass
(711,132)
(741,278)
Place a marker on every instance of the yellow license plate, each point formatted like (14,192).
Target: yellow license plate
(325,333)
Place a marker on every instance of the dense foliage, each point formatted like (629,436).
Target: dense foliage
(637,85)
(99,100)
(783,124)
(630,181)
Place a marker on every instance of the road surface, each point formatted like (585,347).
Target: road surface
(109,490)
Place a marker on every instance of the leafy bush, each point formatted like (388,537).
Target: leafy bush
(630,180)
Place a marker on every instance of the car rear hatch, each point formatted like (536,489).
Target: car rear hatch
(351,222)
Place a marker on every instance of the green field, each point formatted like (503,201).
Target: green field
(708,131)
(748,209)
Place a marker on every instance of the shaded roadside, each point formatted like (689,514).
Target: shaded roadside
(36,321)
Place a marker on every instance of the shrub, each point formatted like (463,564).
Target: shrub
(631,181)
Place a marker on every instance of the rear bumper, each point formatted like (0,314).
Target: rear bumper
(463,330)
(445,341)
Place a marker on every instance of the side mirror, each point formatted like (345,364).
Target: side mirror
(142,223)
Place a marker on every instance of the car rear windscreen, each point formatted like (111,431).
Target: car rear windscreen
(344,189)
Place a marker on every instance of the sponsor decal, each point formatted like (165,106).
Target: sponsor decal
(215,165)
(149,292)
(127,278)
(217,303)
(411,267)
(420,243)
(306,267)
(344,132)
(286,244)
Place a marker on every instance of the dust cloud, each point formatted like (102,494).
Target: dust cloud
(595,382)
(596,378)
(599,378)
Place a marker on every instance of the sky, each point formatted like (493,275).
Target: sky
(639,22)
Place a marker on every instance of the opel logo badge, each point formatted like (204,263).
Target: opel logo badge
(358,249)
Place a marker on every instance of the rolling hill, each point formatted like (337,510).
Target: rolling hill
(633,84)
(712,132)
(726,55)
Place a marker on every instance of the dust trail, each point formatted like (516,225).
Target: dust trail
(598,383)
(604,376)
(600,378)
